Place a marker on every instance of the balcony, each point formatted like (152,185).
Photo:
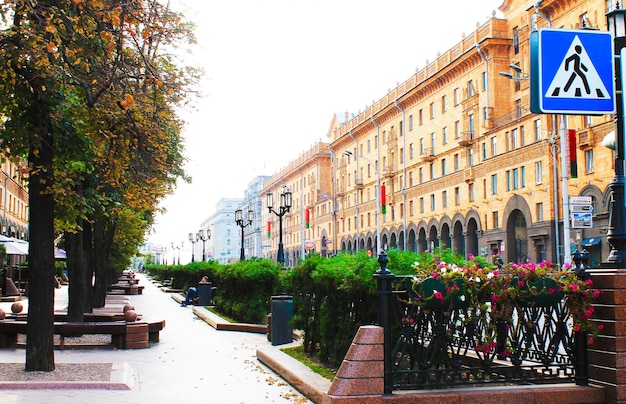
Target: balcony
(428,155)
(468,175)
(389,171)
(586,139)
(467,138)
(358,183)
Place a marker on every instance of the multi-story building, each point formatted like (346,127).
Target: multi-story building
(224,244)
(253,233)
(14,200)
(460,159)
(308,226)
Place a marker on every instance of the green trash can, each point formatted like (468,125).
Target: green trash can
(282,312)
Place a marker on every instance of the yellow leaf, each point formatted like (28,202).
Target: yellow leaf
(43,88)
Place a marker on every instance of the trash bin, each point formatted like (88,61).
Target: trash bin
(205,294)
(282,312)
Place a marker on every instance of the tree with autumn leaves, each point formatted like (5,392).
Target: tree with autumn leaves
(89,91)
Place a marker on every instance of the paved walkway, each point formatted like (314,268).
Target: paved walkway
(192,361)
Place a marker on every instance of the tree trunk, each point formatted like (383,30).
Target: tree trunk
(41,283)
(80,278)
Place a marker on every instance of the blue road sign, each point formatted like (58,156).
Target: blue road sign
(572,72)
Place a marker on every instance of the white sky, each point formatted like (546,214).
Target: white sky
(277,70)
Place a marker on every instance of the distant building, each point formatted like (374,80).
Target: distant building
(225,242)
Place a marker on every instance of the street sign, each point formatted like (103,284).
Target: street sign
(582,220)
(572,72)
(582,208)
(580,200)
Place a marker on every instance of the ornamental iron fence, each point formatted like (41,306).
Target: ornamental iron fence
(430,348)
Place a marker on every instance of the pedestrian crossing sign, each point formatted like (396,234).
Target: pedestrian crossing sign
(572,72)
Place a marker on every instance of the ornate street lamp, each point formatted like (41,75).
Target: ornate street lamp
(616,234)
(204,238)
(285,205)
(193,238)
(241,222)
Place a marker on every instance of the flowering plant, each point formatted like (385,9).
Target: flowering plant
(447,283)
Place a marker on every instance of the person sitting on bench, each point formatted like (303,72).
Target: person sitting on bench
(192,292)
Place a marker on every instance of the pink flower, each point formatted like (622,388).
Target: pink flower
(435,275)
(574,286)
(551,290)
(591,340)
(520,284)
(600,326)
(438,295)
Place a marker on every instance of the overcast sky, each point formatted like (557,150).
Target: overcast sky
(277,70)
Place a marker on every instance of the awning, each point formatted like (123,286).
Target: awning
(15,247)
(590,242)
(59,254)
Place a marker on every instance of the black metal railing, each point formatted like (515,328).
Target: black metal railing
(464,346)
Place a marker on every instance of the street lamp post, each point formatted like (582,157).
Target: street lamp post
(377,211)
(241,222)
(194,239)
(616,234)
(204,238)
(285,206)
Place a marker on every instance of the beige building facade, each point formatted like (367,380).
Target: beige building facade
(461,160)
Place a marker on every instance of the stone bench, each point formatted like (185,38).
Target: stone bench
(124,335)
(127,289)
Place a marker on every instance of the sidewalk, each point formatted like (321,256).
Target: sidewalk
(192,361)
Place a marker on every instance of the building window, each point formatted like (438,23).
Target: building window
(443,167)
(515,139)
(515,175)
(539,211)
(494,184)
(538,172)
(516,40)
(432,110)
(484,77)
(508,180)
(444,134)
(457,97)
(410,178)
(495,219)
(589,161)
(422,205)
(456,162)
(457,196)
(522,173)
(411,151)
(411,213)
(410,122)
(421,174)
(444,199)
(421,146)
(444,104)
(421,117)
(470,88)
(432,171)
(494,146)
(470,192)
(518,109)
(432,202)
(537,129)
(470,157)
(470,124)
(484,147)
